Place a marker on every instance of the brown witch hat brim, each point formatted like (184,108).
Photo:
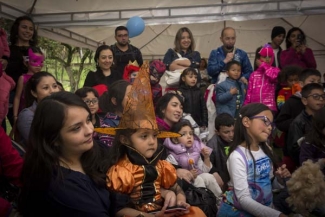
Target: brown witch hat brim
(112,131)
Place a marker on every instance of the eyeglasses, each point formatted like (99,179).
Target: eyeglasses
(93,101)
(266,121)
(316,96)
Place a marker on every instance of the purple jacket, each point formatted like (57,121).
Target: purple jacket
(182,154)
(262,85)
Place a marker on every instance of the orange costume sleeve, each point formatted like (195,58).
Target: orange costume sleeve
(120,179)
(167,174)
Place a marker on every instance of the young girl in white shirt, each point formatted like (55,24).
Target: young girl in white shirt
(250,166)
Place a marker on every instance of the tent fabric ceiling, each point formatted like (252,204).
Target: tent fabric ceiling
(88,23)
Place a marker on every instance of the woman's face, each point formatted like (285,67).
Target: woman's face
(173,112)
(185,41)
(46,86)
(76,136)
(92,102)
(294,38)
(25,31)
(105,59)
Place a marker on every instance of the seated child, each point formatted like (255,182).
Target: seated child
(288,84)
(185,151)
(292,108)
(224,134)
(134,165)
(262,82)
(90,96)
(313,98)
(230,94)
(288,77)
(156,70)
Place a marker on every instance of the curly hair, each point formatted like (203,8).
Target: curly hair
(306,188)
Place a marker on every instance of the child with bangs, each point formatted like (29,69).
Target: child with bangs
(194,102)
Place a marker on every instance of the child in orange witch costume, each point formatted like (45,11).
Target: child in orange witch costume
(135,167)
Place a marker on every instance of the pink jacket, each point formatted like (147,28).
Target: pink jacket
(262,85)
(6,85)
(291,57)
(4,48)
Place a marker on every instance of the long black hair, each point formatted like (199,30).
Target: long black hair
(31,85)
(116,90)
(42,158)
(293,29)
(14,31)
(241,135)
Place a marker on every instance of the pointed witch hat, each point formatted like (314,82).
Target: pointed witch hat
(139,111)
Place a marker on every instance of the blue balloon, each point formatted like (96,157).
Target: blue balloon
(135,26)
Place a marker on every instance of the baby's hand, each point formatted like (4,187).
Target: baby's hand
(233,90)
(194,173)
(205,152)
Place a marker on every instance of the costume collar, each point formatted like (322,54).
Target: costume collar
(138,159)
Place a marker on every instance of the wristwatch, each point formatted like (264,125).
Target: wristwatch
(140,215)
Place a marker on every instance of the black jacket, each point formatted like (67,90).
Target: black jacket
(298,128)
(218,157)
(289,111)
(195,104)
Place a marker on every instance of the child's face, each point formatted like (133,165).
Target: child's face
(265,59)
(312,102)
(145,142)
(234,72)
(133,75)
(259,127)
(310,79)
(190,79)
(292,79)
(92,102)
(187,137)
(226,133)
(35,62)
(46,86)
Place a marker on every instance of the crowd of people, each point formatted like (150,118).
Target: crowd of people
(123,143)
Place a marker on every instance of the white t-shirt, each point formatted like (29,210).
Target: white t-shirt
(239,177)
(275,51)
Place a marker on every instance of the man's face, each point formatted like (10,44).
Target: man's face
(278,39)
(122,37)
(228,39)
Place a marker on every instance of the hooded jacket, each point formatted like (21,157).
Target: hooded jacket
(262,85)
(195,104)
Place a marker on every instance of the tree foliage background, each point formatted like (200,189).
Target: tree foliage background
(67,63)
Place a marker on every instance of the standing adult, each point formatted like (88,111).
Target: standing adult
(23,35)
(123,50)
(184,47)
(297,53)
(105,73)
(277,37)
(224,54)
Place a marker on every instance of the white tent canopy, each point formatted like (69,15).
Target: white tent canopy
(88,23)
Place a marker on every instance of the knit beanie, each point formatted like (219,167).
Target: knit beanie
(277,30)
